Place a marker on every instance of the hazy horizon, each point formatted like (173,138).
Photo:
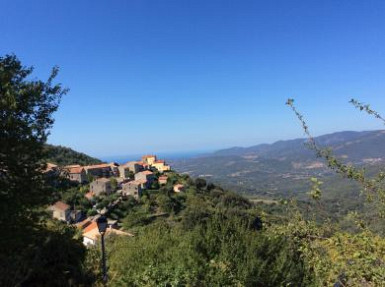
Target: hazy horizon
(185,154)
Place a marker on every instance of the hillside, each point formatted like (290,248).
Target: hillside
(64,156)
(356,146)
(283,169)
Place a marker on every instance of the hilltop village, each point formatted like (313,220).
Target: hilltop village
(95,190)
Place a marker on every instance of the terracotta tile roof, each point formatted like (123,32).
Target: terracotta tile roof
(90,227)
(75,169)
(94,233)
(160,161)
(49,167)
(147,172)
(89,195)
(83,224)
(72,165)
(61,205)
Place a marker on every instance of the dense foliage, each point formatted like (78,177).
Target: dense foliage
(33,250)
(65,156)
(211,237)
(203,237)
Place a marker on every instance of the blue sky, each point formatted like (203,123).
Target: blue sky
(172,76)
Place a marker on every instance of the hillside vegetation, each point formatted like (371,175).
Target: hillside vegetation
(283,169)
(61,155)
(207,236)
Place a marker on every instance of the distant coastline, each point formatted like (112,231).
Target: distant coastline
(162,155)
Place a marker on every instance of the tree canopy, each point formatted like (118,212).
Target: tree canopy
(27,108)
(34,251)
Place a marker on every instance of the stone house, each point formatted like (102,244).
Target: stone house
(145,175)
(99,170)
(131,166)
(149,159)
(101,185)
(133,188)
(134,166)
(61,211)
(124,171)
(76,174)
(114,168)
(91,233)
(143,166)
(161,165)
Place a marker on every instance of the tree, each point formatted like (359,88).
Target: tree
(352,259)
(26,108)
(373,187)
(200,183)
(33,250)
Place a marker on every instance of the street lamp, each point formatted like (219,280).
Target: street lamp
(102,226)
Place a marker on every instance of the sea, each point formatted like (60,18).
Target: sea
(120,159)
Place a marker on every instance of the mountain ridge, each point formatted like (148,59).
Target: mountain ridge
(283,168)
(338,141)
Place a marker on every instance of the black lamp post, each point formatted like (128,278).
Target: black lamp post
(102,226)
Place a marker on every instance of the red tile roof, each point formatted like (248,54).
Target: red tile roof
(147,172)
(72,165)
(90,227)
(49,167)
(61,205)
(94,234)
(75,169)
(83,224)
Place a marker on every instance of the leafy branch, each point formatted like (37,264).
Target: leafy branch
(366,108)
(372,186)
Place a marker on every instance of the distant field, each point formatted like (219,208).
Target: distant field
(264,201)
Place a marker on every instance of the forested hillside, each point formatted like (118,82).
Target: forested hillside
(207,236)
(61,155)
(283,169)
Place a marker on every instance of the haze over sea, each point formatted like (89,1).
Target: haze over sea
(161,155)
